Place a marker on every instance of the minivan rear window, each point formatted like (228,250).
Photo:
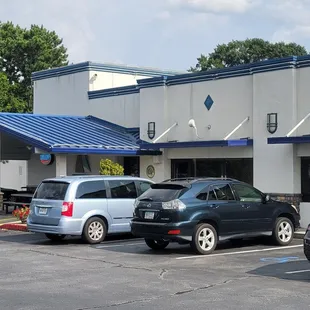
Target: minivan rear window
(163,193)
(51,190)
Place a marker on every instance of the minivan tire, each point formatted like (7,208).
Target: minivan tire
(280,224)
(54,237)
(89,232)
(210,234)
(156,244)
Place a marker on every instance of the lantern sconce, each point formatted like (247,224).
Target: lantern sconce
(151,130)
(272,122)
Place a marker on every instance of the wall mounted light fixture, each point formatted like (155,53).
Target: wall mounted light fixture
(151,130)
(272,122)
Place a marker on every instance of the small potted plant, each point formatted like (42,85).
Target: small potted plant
(21,213)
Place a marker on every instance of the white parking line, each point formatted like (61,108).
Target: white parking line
(241,252)
(297,271)
(118,245)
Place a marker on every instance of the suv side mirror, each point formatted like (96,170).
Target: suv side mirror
(266,198)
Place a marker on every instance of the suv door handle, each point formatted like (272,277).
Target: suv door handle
(214,206)
(245,206)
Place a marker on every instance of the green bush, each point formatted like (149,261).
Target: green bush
(108,167)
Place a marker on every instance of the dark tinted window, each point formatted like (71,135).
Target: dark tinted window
(52,190)
(144,186)
(207,194)
(247,193)
(91,190)
(123,189)
(223,192)
(163,193)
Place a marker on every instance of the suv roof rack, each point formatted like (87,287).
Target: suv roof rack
(195,179)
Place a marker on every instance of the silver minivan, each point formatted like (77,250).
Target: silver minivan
(87,206)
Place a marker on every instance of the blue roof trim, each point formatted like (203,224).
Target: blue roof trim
(72,134)
(116,91)
(91,66)
(289,140)
(188,144)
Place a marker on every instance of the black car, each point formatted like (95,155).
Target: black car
(202,212)
(307,243)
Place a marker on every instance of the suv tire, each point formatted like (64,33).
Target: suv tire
(283,231)
(95,230)
(54,237)
(204,239)
(156,244)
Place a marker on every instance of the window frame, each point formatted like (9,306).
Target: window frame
(251,187)
(211,187)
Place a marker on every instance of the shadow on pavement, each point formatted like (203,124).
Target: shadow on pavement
(292,270)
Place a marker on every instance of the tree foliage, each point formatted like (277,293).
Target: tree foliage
(23,51)
(248,51)
(108,167)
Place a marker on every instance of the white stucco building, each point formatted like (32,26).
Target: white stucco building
(241,123)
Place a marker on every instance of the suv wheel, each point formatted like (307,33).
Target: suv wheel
(156,244)
(95,230)
(54,237)
(283,232)
(204,239)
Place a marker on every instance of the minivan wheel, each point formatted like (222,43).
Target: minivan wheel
(55,237)
(204,239)
(95,230)
(283,232)
(156,244)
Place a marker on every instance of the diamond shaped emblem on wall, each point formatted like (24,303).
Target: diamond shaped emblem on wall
(209,102)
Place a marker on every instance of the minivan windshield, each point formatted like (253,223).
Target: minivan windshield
(162,193)
(51,190)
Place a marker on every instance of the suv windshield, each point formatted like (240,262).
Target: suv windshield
(163,192)
(51,190)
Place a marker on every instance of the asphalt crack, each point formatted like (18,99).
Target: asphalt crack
(115,265)
(201,288)
(162,273)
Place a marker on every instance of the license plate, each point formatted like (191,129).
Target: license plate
(149,215)
(42,211)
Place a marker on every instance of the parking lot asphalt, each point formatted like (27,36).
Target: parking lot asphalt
(123,273)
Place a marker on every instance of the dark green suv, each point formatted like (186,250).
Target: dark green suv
(202,212)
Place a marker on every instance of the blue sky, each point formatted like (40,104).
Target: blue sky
(165,34)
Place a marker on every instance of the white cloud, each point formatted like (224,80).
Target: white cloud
(215,6)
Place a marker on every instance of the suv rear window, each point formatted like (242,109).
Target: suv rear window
(163,192)
(51,190)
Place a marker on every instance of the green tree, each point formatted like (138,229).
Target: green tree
(8,102)
(23,51)
(243,52)
(108,167)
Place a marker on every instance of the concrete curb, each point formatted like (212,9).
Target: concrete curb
(14,226)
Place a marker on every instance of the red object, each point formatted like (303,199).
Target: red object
(13,226)
(67,209)
(174,232)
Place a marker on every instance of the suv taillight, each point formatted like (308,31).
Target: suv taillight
(176,204)
(67,209)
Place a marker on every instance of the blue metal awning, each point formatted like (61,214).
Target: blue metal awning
(211,143)
(289,140)
(72,134)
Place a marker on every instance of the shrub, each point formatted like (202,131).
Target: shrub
(21,213)
(108,167)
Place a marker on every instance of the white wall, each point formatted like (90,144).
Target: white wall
(105,80)
(122,110)
(232,104)
(276,167)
